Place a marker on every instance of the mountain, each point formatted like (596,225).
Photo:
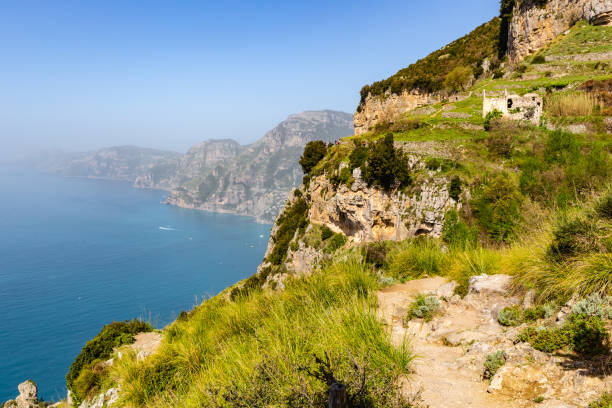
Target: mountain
(215,175)
(125,163)
(222,176)
(455,251)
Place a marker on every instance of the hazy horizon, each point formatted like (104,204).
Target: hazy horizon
(79,77)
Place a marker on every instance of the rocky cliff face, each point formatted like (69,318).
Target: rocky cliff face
(383,108)
(534,25)
(255,180)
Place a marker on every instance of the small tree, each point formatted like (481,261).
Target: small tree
(457,79)
(313,153)
(386,166)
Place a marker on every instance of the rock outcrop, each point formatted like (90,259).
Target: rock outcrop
(384,108)
(28,396)
(534,25)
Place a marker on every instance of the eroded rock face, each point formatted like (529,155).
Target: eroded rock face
(534,26)
(369,214)
(28,396)
(380,109)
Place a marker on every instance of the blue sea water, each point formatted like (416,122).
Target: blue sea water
(76,254)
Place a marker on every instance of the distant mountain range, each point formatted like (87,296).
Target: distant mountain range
(215,175)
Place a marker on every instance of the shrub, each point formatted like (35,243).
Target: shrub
(313,153)
(509,316)
(457,233)
(497,207)
(326,233)
(594,305)
(424,307)
(454,190)
(572,236)
(493,362)
(335,242)
(534,313)
(293,217)
(491,117)
(458,78)
(376,254)
(501,144)
(538,59)
(387,167)
(589,336)
(414,258)
(358,156)
(97,349)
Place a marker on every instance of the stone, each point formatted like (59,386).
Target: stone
(534,25)
(28,395)
(529,299)
(447,290)
(525,108)
(489,284)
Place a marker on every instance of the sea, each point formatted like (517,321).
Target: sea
(76,254)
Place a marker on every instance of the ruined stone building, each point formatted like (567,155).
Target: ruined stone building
(527,107)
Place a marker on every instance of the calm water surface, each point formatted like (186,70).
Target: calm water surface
(76,254)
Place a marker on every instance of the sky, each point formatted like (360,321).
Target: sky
(80,75)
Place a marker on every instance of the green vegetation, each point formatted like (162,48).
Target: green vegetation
(605,401)
(275,349)
(509,316)
(413,259)
(294,217)
(386,166)
(88,370)
(490,117)
(313,153)
(429,73)
(424,307)
(493,362)
(458,78)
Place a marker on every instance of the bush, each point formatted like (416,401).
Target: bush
(424,307)
(604,206)
(376,254)
(491,117)
(100,348)
(538,59)
(293,217)
(589,336)
(509,316)
(358,156)
(534,313)
(387,167)
(313,153)
(572,236)
(456,233)
(454,190)
(497,207)
(493,362)
(594,305)
(335,243)
(414,258)
(458,78)
(501,144)
(326,233)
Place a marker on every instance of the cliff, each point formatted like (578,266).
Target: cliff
(255,179)
(536,23)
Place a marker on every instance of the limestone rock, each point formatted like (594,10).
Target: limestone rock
(28,396)
(529,299)
(384,108)
(534,25)
(489,284)
(447,290)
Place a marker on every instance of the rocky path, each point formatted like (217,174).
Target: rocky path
(452,348)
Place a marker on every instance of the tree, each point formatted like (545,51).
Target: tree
(386,166)
(313,153)
(457,79)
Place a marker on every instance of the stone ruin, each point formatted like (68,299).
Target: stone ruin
(526,108)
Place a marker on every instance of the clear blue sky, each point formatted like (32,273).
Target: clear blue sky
(79,75)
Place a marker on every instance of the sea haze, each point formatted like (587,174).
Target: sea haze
(76,254)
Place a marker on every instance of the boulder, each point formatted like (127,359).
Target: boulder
(447,290)
(489,284)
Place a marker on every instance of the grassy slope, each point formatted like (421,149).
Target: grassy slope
(267,348)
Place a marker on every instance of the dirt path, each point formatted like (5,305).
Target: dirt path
(452,348)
